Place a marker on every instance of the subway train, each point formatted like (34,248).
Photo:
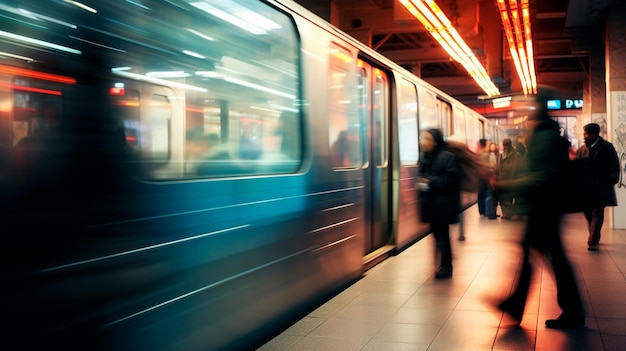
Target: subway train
(197,174)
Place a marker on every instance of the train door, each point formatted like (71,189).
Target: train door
(374,110)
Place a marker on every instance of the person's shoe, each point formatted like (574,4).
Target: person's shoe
(515,313)
(492,218)
(565,323)
(593,247)
(443,272)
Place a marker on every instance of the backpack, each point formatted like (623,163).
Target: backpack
(472,167)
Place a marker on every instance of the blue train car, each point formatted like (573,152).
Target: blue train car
(195,174)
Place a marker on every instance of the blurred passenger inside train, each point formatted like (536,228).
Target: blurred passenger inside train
(540,188)
(250,147)
(198,147)
(439,176)
(510,167)
(31,157)
(340,150)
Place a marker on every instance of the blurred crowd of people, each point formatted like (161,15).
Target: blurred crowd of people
(528,182)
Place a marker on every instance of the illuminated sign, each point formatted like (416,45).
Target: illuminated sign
(564,104)
(554,104)
(573,104)
(501,102)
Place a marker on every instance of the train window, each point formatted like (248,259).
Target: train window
(178,71)
(345,126)
(458,131)
(161,112)
(473,131)
(444,110)
(231,82)
(407,123)
(427,110)
(27,129)
(240,114)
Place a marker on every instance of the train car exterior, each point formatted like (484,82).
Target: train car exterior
(196,174)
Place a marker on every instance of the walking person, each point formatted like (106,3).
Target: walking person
(539,187)
(493,168)
(439,176)
(483,189)
(520,145)
(600,175)
(510,166)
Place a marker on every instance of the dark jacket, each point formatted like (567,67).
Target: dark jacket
(441,203)
(601,173)
(539,187)
(510,164)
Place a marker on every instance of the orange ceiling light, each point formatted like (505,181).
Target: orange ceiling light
(515,15)
(440,27)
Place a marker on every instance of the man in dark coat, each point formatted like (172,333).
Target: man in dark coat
(600,176)
(540,188)
(439,177)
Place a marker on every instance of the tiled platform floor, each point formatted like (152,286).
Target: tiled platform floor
(398,305)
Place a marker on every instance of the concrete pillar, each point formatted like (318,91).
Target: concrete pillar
(616,97)
(594,109)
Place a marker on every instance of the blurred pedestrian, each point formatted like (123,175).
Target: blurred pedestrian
(540,188)
(439,176)
(510,166)
(483,153)
(520,145)
(600,176)
(491,199)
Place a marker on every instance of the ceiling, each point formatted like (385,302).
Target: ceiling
(564,34)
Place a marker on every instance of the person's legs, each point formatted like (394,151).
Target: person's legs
(482,195)
(595,220)
(441,231)
(514,305)
(506,204)
(568,295)
(490,205)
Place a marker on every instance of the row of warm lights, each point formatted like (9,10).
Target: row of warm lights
(440,27)
(516,21)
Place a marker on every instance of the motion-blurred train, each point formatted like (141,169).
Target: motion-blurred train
(197,174)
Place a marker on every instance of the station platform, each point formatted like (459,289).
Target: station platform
(398,305)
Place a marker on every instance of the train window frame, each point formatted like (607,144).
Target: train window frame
(427,110)
(380,111)
(345,126)
(261,100)
(459,131)
(408,132)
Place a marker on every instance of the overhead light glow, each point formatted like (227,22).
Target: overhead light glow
(194,54)
(203,36)
(81,5)
(168,74)
(440,27)
(515,15)
(238,16)
(19,57)
(38,42)
(123,72)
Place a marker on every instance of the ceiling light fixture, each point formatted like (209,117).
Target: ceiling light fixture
(515,17)
(440,27)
